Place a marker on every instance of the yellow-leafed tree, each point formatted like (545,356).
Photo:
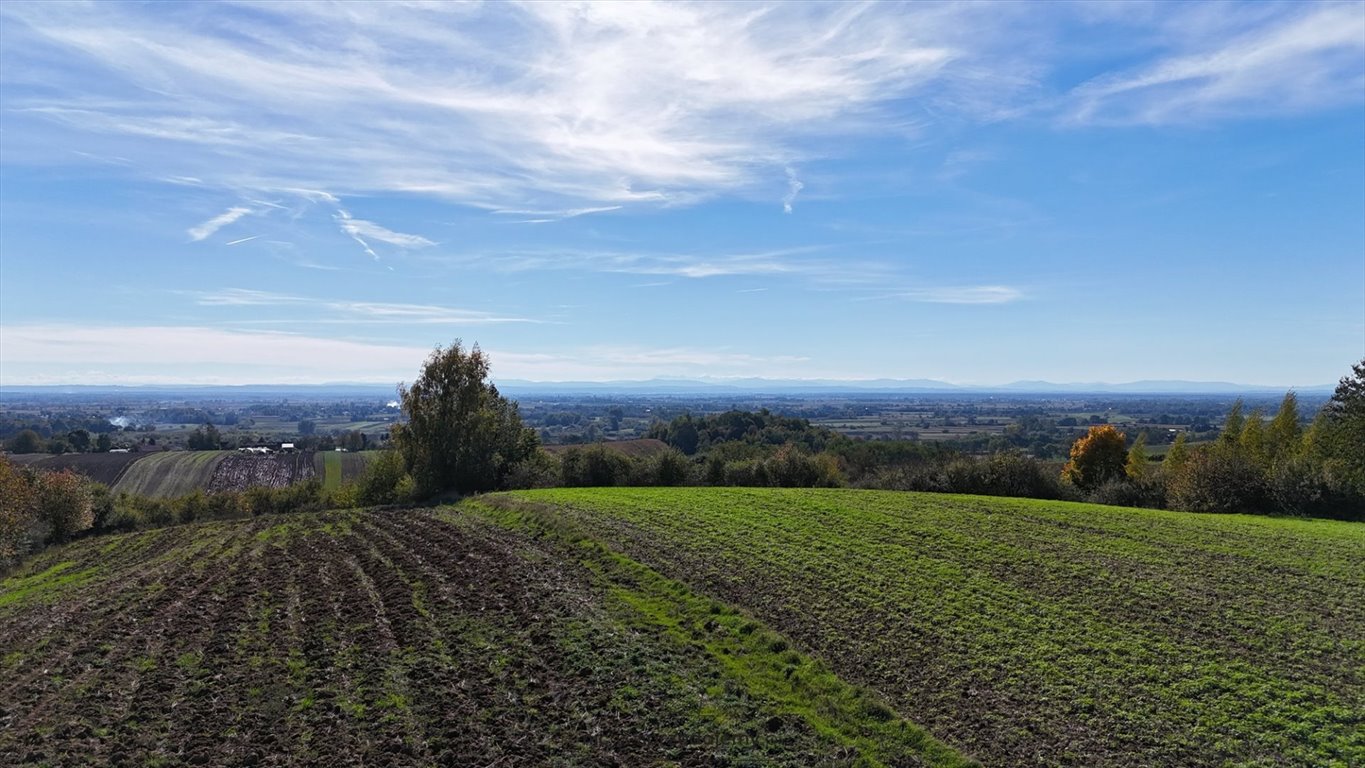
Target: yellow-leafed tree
(1097,457)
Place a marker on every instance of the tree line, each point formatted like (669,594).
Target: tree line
(462,436)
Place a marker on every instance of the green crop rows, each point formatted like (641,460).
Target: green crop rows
(170,474)
(1027,632)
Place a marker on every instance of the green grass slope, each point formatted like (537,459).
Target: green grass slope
(170,474)
(336,467)
(1034,633)
(440,637)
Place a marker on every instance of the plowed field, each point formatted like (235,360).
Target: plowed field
(1035,633)
(238,471)
(404,639)
(170,474)
(104,468)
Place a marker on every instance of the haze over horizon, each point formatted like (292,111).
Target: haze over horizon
(974,193)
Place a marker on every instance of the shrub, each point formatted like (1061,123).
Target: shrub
(306,496)
(595,467)
(224,506)
(17,501)
(669,468)
(344,496)
(541,470)
(190,507)
(1305,485)
(102,505)
(1144,491)
(65,503)
(383,481)
(1010,473)
(1218,479)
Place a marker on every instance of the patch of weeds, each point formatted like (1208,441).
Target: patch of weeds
(46,585)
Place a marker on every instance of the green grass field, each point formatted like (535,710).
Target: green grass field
(170,474)
(1027,632)
(336,468)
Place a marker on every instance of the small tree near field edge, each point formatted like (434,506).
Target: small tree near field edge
(461,435)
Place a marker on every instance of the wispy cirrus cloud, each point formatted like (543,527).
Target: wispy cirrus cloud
(1293,59)
(581,107)
(216,223)
(349,311)
(794,187)
(363,231)
(494,105)
(546,217)
(963,294)
(796,262)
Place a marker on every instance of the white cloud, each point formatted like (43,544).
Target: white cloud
(514,106)
(217,222)
(245,297)
(358,312)
(358,228)
(170,354)
(63,354)
(571,108)
(786,261)
(794,187)
(969,294)
(1309,58)
(546,217)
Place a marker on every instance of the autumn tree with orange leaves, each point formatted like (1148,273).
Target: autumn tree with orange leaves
(1098,457)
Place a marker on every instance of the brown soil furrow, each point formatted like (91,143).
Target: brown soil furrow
(110,617)
(216,690)
(110,666)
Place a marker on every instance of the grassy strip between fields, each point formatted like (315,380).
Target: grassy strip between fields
(758,659)
(330,470)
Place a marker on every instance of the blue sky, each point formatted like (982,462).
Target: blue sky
(311,192)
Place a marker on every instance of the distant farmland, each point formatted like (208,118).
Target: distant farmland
(1028,632)
(105,468)
(175,473)
(170,474)
(238,471)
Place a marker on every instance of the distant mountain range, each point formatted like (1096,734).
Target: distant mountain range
(700,386)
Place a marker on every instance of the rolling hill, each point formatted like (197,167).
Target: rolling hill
(394,639)
(695,626)
(1027,632)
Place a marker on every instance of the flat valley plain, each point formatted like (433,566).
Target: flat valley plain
(695,626)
